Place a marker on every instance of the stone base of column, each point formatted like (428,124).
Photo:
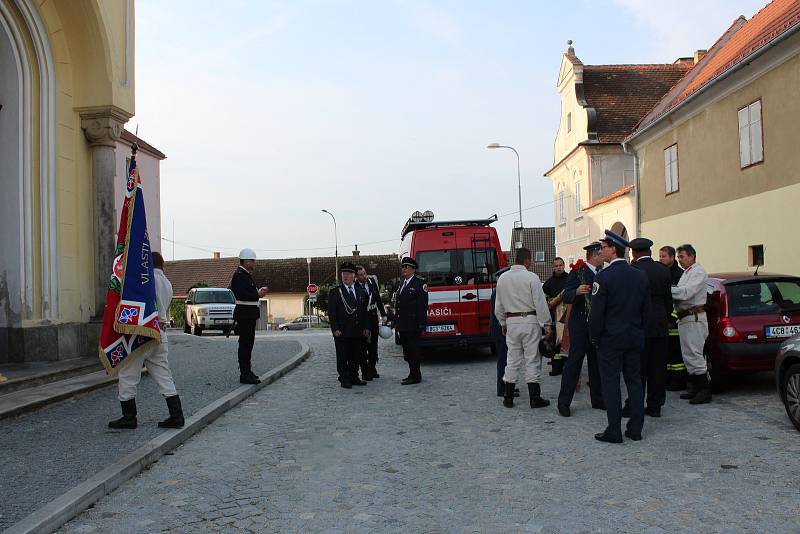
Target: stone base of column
(48,343)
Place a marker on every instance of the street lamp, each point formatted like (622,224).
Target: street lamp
(336,239)
(519,180)
(308,318)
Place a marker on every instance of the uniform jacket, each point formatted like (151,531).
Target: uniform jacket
(345,313)
(691,289)
(245,290)
(579,302)
(660,280)
(555,285)
(411,313)
(374,302)
(675,272)
(620,303)
(520,291)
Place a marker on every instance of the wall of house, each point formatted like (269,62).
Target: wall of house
(150,174)
(611,170)
(568,140)
(573,234)
(285,307)
(719,207)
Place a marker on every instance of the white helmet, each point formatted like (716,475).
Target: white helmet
(247,254)
(384,331)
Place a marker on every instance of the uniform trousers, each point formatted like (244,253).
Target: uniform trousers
(410,342)
(693,333)
(157,363)
(247,338)
(522,337)
(675,365)
(580,346)
(654,370)
(371,346)
(612,362)
(501,349)
(348,356)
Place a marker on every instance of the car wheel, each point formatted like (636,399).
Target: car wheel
(196,328)
(284,328)
(791,394)
(226,331)
(717,380)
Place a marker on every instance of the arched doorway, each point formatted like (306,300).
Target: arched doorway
(619,229)
(11,183)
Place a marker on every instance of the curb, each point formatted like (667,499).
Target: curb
(60,510)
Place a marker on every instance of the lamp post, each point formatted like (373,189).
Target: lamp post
(308,318)
(519,179)
(336,239)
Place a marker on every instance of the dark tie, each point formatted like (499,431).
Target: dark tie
(352,293)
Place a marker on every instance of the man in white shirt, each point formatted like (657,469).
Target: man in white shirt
(690,301)
(156,362)
(521,309)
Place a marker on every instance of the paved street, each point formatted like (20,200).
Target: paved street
(304,455)
(66,443)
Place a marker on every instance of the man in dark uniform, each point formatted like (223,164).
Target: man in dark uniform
(578,293)
(676,369)
(411,314)
(553,288)
(347,313)
(620,301)
(500,347)
(654,356)
(372,295)
(246,312)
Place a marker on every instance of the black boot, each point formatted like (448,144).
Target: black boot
(558,366)
(703,390)
(501,387)
(128,419)
(508,395)
(535,392)
(692,387)
(175,419)
(677,381)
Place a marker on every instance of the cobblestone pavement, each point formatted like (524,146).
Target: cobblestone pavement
(304,455)
(48,452)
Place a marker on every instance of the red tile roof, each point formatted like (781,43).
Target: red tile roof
(129,138)
(740,41)
(622,94)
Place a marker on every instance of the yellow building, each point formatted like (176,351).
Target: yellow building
(718,158)
(593,177)
(66,89)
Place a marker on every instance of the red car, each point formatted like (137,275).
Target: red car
(749,316)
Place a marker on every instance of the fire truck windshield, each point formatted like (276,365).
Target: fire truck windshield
(457,267)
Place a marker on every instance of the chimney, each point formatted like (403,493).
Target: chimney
(685,61)
(698,55)
(216,255)
(356,252)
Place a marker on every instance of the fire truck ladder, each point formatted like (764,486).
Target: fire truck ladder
(480,246)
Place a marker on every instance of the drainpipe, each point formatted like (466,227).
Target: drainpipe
(625,149)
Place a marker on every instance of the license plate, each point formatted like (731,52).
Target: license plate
(438,328)
(226,321)
(782,331)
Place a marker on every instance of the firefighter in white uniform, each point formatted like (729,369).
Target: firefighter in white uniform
(156,362)
(521,309)
(690,300)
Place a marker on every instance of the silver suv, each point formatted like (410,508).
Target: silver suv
(209,308)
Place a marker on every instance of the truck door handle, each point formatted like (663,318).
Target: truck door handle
(469,296)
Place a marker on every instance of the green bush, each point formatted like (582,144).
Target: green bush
(177,311)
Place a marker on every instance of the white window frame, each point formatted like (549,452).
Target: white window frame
(562,215)
(578,205)
(539,256)
(751,134)
(671,169)
(569,122)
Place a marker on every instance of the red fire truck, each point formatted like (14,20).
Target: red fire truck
(458,260)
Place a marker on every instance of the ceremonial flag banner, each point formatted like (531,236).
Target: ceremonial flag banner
(130,318)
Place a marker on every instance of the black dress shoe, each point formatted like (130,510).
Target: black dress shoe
(633,437)
(249,378)
(411,380)
(563,411)
(602,436)
(652,412)
(346,384)
(598,406)
(357,382)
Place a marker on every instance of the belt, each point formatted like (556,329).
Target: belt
(520,314)
(247,303)
(691,311)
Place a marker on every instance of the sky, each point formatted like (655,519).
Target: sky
(270,111)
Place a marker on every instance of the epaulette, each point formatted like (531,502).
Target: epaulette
(420,277)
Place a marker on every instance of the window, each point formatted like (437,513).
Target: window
(443,267)
(763,298)
(751,142)
(562,214)
(756,255)
(671,169)
(223,296)
(578,206)
(569,122)
(539,255)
